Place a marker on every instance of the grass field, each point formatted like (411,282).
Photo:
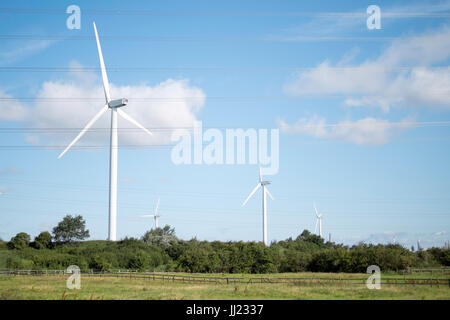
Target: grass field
(54,287)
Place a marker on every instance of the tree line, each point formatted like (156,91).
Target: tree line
(161,250)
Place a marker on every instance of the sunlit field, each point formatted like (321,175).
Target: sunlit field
(129,288)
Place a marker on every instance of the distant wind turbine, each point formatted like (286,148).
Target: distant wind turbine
(262,184)
(114,105)
(318,221)
(155,215)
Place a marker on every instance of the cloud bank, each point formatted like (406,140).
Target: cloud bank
(69,104)
(385,82)
(409,74)
(367,131)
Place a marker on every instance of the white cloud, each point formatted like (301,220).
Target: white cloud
(162,108)
(11,109)
(367,131)
(383,82)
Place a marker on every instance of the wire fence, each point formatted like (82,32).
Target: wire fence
(173,277)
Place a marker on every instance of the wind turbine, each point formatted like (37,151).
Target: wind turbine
(114,105)
(262,184)
(318,221)
(156,215)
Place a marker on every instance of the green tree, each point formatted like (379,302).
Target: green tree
(313,238)
(70,229)
(161,237)
(139,261)
(20,241)
(100,262)
(198,259)
(43,240)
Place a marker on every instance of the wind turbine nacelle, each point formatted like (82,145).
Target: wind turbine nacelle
(118,103)
(266,182)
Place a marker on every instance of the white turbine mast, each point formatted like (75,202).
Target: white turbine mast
(155,215)
(114,105)
(318,221)
(263,185)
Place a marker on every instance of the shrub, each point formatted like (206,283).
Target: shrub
(100,262)
(18,263)
(20,241)
(43,240)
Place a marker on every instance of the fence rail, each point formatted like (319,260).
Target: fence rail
(445,270)
(230,280)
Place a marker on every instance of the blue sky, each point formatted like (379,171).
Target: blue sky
(363,116)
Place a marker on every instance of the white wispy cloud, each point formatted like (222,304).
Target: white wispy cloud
(367,131)
(11,170)
(17,51)
(321,25)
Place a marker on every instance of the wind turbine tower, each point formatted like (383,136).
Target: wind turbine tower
(318,220)
(263,185)
(155,215)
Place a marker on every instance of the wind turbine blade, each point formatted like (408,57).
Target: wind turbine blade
(129,118)
(102,67)
(157,205)
(254,190)
(90,123)
(260,176)
(317,213)
(315,229)
(269,193)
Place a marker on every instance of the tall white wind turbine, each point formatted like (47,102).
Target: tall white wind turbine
(114,105)
(318,221)
(155,215)
(262,184)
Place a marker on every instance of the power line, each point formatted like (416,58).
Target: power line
(229,13)
(343,124)
(212,69)
(134,190)
(149,38)
(225,211)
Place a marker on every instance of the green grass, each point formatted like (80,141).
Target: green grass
(54,287)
